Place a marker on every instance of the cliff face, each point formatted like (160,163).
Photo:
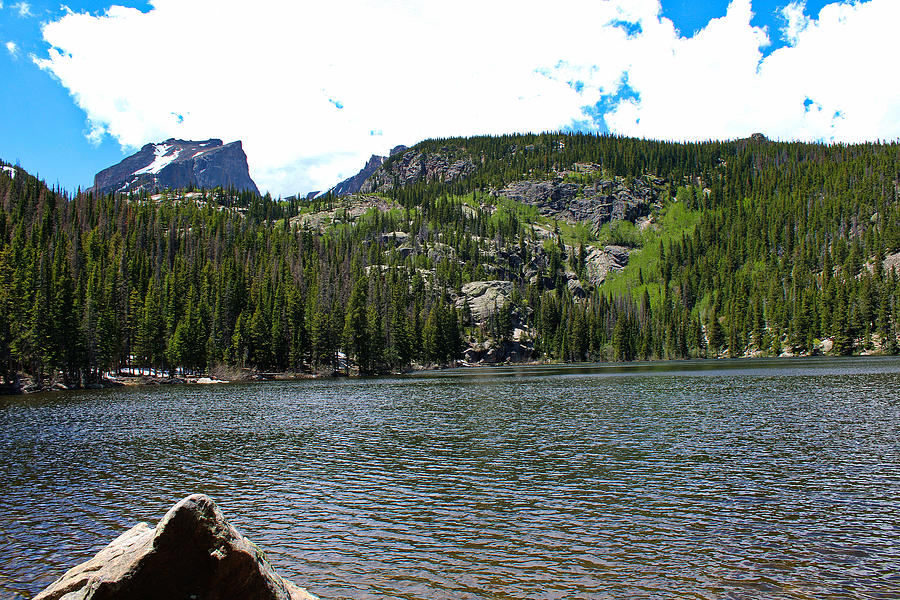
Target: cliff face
(597,202)
(412,166)
(177,164)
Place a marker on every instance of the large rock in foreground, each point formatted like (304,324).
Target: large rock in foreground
(193,553)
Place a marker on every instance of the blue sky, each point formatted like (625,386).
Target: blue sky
(42,128)
(690,17)
(314,90)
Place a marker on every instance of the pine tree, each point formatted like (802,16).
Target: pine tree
(431,350)
(356,334)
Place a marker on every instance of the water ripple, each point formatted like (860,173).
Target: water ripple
(718,480)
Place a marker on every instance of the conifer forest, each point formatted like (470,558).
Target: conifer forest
(720,249)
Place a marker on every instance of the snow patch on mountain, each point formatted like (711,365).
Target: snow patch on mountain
(162,159)
(11,171)
(175,164)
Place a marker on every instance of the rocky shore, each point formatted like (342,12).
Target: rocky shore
(26,385)
(192,553)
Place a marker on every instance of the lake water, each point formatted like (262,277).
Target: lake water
(746,479)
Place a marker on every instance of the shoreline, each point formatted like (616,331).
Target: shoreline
(25,385)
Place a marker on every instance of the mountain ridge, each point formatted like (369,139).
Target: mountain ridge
(353,185)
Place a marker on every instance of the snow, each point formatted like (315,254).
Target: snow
(11,171)
(209,380)
(162,159)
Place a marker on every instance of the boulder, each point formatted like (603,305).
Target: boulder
(599,262)
(192,553)
(394,236)
(494,356)
(484,297)
(473,355)
(575,287)
(516,350)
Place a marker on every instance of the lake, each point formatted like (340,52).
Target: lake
(718,479)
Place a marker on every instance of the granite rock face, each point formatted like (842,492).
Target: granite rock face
(598,202)
(892,262)
(177,164)
(484,297)
(192,553)
(411,166)
(599,262)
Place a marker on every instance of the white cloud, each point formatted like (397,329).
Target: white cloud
(24,9)
(795,21)
(827,85)
(276,75)
(12,48)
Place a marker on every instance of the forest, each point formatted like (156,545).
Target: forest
(757,248)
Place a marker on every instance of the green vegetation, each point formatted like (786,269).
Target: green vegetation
(769,247)
(643,272)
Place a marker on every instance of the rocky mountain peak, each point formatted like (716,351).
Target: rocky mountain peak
(353,185)
(174,164)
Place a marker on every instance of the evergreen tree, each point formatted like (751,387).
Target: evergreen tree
(356,334)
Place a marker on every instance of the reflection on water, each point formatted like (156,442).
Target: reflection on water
(693,480)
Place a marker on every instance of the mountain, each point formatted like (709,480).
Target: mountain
(175,164)
(354,184)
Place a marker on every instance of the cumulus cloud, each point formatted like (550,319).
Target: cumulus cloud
(12,48)
(827,84)
(313,88)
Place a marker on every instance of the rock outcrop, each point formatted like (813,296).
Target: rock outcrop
(352,185)
(499,352)
(484,298)
(892,262)
(411,166)
(193,553)
(598,202)
(178,164)
(599,262)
